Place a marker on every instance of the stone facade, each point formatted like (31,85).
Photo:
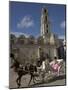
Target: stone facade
(30,52)
(50,41)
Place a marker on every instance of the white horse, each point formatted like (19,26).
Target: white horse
(50,66)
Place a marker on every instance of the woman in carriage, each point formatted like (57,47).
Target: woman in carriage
(55,66)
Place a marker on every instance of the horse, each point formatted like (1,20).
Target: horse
(15,63)
(17,69)
(33,73)
(23,70)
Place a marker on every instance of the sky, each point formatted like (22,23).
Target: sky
(26,18)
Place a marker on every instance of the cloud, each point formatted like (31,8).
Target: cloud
(17,34)
(26,22)
(62,24)
(61,36)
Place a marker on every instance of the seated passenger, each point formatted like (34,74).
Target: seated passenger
(55,65)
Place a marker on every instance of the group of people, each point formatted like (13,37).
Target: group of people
(53,65)
(44,66)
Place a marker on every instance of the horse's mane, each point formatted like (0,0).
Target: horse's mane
(13,56)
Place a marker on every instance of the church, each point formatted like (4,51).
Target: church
(50,43)
(50,40)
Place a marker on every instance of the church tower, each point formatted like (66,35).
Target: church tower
(45,25)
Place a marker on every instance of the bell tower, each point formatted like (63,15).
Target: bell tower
(45,25)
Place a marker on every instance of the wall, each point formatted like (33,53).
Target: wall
(29,53)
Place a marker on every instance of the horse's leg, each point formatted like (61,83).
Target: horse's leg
(33,79)
(30,79)
(18,80)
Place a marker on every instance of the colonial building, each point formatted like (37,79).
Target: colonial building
(50,40)
(29,52)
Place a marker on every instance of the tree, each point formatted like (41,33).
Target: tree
(31,39)
(21,39)
(12,37)
(12,40)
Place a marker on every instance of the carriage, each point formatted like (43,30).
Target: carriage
(41,72)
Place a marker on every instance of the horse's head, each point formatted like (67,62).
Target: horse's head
(11,55)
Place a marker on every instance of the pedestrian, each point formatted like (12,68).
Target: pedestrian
(43,69)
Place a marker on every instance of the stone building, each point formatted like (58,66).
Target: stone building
(49,43)
(62,50)
(50,40)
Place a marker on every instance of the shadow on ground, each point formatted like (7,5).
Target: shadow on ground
(53,79)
